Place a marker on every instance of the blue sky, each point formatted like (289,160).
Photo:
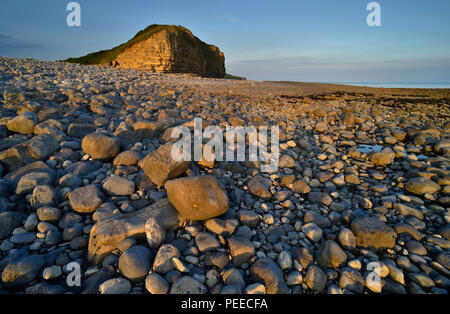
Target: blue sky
(326,40)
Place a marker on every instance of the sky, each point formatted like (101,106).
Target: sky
(296,40)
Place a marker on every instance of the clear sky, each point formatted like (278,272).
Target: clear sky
(315,40)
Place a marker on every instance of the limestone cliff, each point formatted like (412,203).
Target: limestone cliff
(162,49)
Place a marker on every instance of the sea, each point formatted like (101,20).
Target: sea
(396,84)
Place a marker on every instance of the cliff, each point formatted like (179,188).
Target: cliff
(162,49)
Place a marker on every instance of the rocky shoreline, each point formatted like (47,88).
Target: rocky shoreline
(362,191)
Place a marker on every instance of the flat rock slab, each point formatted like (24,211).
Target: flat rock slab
(106,235)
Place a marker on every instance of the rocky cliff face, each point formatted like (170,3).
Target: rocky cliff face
(163,49)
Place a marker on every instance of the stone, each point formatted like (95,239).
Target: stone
(8,222)
(50,214)
(197,197)
(294,278)
(330,255)
(220,227)
(248,218)
(100,146)
(159,165)
(408,230)
(206,242)
(126,158)
(312,231)
(346,238)
(155,233)
(115,286)
(316,279)
(85,199)
(373,234)
(259,186)
(320,198)
(118,186)
(383,158)
(284,260)
(23,238)
(163,260)
(415,247)
(352,280)
(241,250)
(43,195)
(255,288)
(44,288)
(421,186)
(106,235)
(233,277)
(155,284)
(135,263)
(405,211)
(24,123)
(187,285)
(42,146)
(300,187)
(265,271)
(22,270)
(52,272)
(70,180)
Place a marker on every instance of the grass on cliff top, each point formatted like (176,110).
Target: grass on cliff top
(107,56)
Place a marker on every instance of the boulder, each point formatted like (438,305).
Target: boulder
(197,197)
(420,186)
(85,199)
(106,234)
(135,263)
(160,167)
(100,146)
(372,233)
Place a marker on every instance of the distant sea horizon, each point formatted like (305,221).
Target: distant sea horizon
(393,84)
